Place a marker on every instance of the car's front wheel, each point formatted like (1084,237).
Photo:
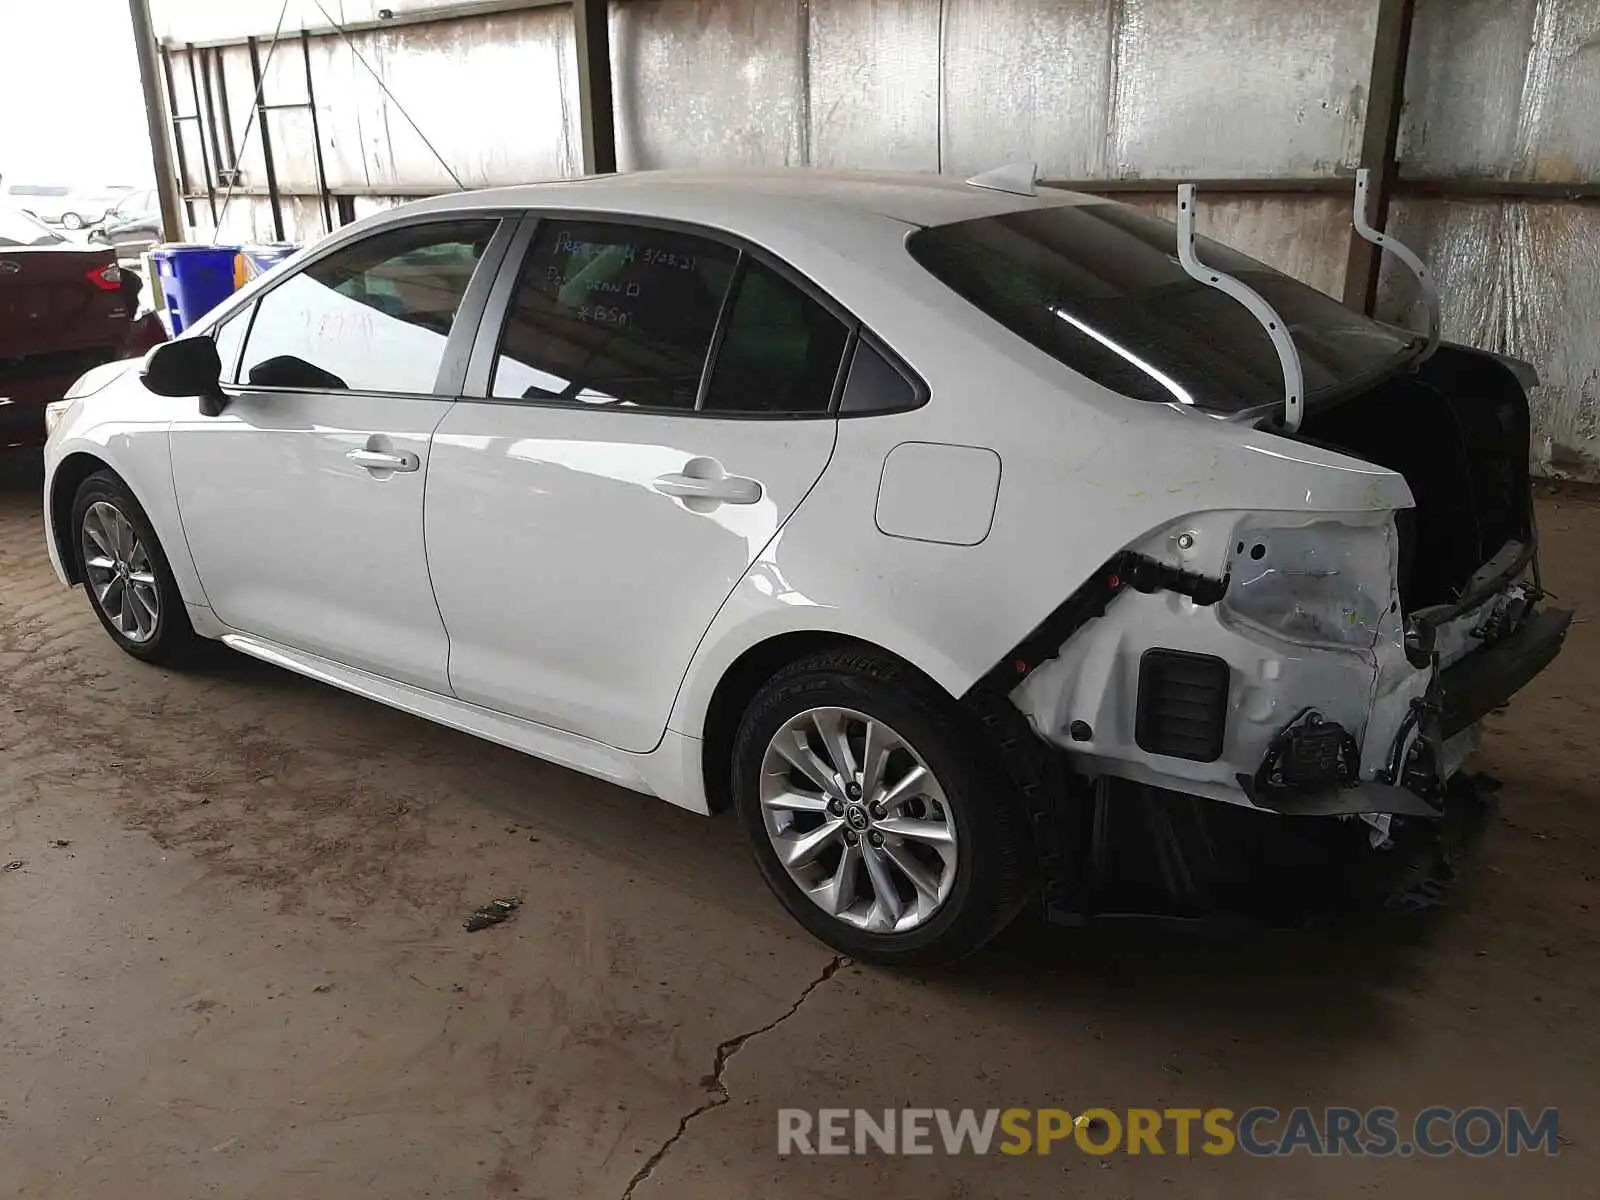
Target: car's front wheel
(125,572)
(875,813)
(71,220)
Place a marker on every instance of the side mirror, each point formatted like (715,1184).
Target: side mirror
(186,367)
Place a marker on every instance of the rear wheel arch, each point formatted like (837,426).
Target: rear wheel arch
(739,684)
(64,485)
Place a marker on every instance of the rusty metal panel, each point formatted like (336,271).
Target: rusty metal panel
(1503,89)
(496,96)
(1027,81)
(875,83)
(1522,279)
(708,82)
(1245,88)
(1302,236)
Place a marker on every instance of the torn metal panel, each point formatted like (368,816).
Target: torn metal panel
(1302,236)
(708,83)
(1503,89)
(1521,279)
(1026,81)
(1251,87)
(874,76)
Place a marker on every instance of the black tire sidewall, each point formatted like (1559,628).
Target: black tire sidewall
(984,894)
(173,631)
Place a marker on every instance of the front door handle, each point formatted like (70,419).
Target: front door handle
(728,489)
(379,460)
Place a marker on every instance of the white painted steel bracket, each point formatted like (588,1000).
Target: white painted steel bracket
(1430,294)
(1294,391)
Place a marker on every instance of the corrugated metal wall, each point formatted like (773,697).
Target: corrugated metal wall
(1089,89)
(1510,89)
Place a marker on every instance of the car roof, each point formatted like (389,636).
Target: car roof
(762,194)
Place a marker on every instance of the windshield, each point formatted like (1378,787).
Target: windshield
(19,229)
(1099,287)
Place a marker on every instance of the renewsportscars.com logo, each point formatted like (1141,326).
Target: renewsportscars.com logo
(1260,1132)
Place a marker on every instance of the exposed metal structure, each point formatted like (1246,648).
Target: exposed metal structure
(1294,387)
(1382,241)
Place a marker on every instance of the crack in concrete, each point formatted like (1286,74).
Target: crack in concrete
(725,1052)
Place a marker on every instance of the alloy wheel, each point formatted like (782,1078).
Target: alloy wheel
(117,566)
(858,820)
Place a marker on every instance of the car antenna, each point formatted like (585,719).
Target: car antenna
(1430,293)
(1016,178)
(1288,354)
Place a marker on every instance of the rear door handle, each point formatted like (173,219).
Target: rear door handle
(729,489)
(379,460)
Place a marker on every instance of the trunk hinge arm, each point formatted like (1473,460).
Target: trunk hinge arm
(1430,294)
(1288,356)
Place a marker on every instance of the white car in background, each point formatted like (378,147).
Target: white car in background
(966,539)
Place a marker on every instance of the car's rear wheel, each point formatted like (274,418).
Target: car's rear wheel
(125,572)
(875,813)
(71,220)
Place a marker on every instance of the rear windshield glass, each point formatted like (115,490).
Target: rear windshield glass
(1099,287)
(19,229)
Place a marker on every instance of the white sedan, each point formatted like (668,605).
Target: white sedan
(957,535)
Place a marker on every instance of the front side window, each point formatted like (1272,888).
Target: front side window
(780,352)
(227,336)
(1099,288)
(610,314)
(372,317)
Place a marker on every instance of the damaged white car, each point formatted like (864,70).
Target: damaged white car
(974,542)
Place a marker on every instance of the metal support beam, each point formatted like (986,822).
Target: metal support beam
(1385,92)
(266,144)
(206,159)
(155,116)
(316,137)
(596,115)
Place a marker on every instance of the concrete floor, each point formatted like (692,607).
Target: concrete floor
(232,964)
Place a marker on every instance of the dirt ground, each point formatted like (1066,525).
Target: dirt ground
(232,964)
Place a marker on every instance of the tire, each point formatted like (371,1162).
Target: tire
(953,908)
(164,636)
(71,220)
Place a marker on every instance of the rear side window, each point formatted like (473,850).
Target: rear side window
(372,317)
(780,352)
(611,314)
(875,384)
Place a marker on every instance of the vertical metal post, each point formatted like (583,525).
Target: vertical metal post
(156,119)
(176,122)
(1391,45)
(596,115)
(316,137)
(225,115)
(209,128)
(266,143)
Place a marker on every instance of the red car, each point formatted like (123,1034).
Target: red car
(64,309)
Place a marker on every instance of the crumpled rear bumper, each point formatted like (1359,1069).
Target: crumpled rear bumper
(1484,681)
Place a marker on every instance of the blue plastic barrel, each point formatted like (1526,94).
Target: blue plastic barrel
(194,280)
(264,258)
